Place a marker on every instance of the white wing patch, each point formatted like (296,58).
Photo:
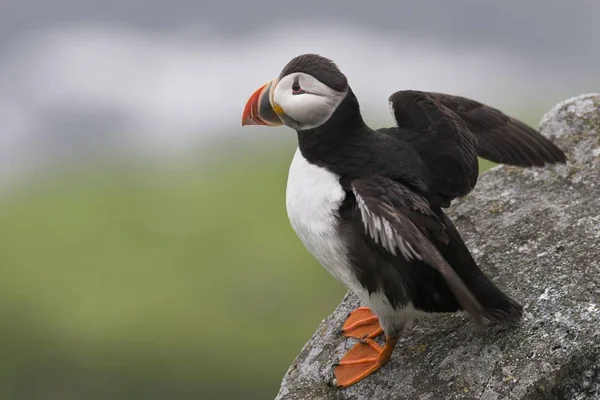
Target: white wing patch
(382,232)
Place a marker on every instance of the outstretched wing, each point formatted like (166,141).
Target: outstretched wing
(500,138)
(442,140)
(402,222)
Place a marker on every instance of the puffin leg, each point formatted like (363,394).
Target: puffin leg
(362,360)
(362,324)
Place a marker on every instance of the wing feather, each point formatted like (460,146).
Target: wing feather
(501,138)
(442,140)
(450,132)
(389,221)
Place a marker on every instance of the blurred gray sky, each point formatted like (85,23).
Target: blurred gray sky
(81,77)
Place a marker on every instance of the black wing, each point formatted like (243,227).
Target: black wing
(402,222)
(443,141)
(421,239)
(500,138)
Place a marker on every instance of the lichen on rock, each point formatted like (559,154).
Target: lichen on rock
(536,233)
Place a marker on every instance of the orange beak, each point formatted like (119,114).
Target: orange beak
(259,109)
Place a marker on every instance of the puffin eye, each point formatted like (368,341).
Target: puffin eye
(296,89)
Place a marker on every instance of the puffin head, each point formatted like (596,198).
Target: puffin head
(304,96)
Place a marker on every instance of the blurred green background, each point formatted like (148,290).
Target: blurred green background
(155,282)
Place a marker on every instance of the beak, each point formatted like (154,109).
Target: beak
(259,108)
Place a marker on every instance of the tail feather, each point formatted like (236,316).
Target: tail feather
(509,313)
(498,307)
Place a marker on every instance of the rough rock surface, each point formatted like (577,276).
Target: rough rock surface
(536,233)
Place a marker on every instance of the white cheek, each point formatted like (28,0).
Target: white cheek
(310,109)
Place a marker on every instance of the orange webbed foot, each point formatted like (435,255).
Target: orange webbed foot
(362,360)
(362,324)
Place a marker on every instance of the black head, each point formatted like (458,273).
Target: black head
(318,67)
(307,93)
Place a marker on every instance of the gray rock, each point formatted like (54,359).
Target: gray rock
(536,232)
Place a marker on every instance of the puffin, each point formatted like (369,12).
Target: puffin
(368,204)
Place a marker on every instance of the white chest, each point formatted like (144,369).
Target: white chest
(313,196)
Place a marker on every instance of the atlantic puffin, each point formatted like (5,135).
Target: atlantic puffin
(368,204)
